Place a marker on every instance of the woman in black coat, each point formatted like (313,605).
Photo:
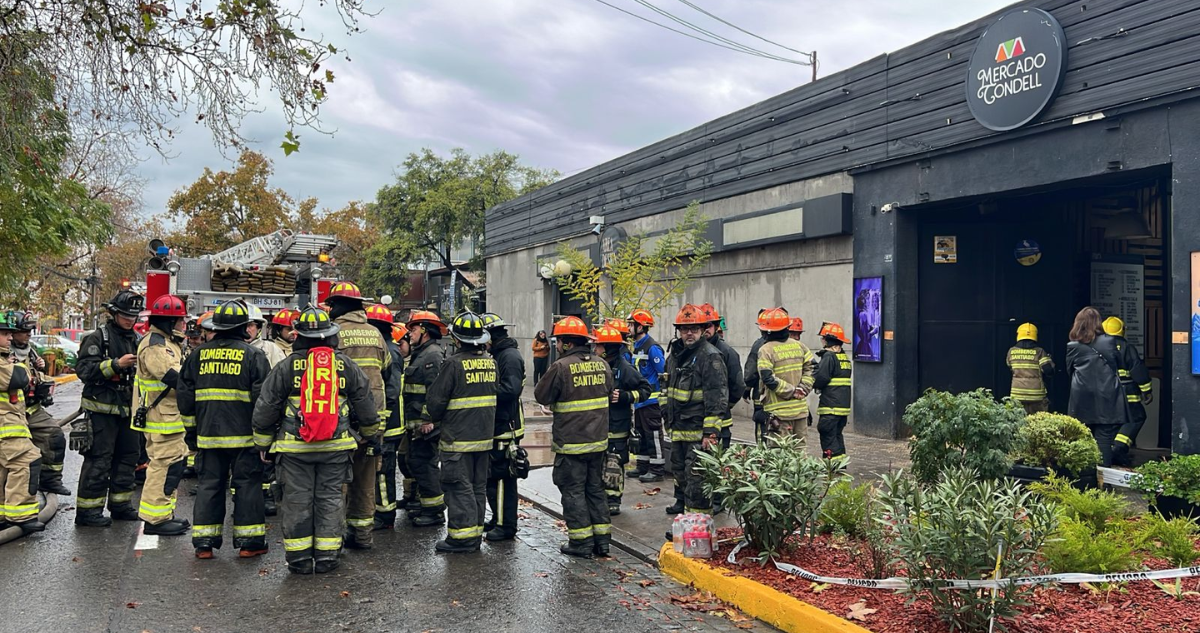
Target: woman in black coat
(1097,398)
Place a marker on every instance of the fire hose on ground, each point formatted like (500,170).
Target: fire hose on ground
(47,501)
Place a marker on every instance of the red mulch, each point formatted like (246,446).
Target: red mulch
(1135,607)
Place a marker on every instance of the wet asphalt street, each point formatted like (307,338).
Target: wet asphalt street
(85,580)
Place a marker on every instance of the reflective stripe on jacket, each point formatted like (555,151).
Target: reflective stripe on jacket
(424,362)
(14,378)
(159,356)
(832,379)
(633,387)
(462,402)
(696,393)
(576,387)
(1029,364)
(783,366)
(218,385)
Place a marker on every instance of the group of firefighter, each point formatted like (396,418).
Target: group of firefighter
(313,420)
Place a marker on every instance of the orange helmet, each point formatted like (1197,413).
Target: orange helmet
(380,312)
(619,325)
(774,320)
(399,332)
(796,325)
(425,317)
(608,334)
(691,314)
(833,330)
(345,290)
(205,320)
(643,317)
(284,317)
(571,326)
(710,313)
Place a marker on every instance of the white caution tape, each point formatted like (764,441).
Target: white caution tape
(901,583)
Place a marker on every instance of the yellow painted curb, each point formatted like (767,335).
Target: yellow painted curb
(756,599)
(65,378)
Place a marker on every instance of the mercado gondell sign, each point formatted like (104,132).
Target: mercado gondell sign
(1017,69)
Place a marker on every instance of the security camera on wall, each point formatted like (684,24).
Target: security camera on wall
(597,229)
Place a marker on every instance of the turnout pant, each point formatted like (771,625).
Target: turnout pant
(830,428)
(580,480)
(19,468)
(464,481)
(213,472)
(360,494)
(310,503)
(614,468)
(409,492)
(108,465)
(689,484)
(651,454)
(502,492)
(1105,434)
(1125,438)
(49,439)
(385,484)
(168,455)
(1035,406)
(423,460)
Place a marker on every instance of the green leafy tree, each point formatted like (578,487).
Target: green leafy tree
(437,204)
(644,272)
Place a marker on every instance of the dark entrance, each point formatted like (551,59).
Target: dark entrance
(969,310)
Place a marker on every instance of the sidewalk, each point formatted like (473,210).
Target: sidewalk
(640,527)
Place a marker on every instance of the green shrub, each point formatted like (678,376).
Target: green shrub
(1095,508)
(845,509)
(953,530)
(1052,440)
(969,430)
(1077,548)
(1177,477)
(774,491)
(1172,539)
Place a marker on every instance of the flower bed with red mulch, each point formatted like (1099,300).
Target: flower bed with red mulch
(1134,607)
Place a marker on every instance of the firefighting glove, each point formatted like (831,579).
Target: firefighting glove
(372,444)
(189,438)
(81,435)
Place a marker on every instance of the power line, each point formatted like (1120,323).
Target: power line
(755,35)
(747,49)
(697,38)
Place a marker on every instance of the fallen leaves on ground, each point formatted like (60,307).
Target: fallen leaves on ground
(642,506)
(646,583)
(132,605)
(699,601)
(653,491)
(859,611)
(345,594)
(561,525)
(541,574)
(818,587)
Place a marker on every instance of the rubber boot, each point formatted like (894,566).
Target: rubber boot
(252,552)
(428,519)
(204,553)
(326,565)
(174,527)
(92,518)
(125,514)
(500,534)
(304,567)
(651,477)
(582,549)
(57,488)
(446,547)
(384,521)
(676,508)
(350,541)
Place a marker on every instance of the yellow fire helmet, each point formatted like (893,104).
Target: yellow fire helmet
(1114,326)
(1027,332)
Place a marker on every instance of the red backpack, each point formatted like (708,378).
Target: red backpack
(319,401)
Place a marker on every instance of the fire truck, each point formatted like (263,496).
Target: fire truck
(280,270)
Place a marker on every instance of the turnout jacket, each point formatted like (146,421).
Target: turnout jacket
(424,363)
(362,343)
(218,386)
(28,357)
(14,379)
(783,366)
(1135,378)
(462,402)
(733,373)
(1030,364)
(511,367)
(393,385)
(276,418)
(750,374)
(1097,397)
(697,391)
(273,353)
(833,381)
(634,388)
(159,357)
(107,388)
(577,388)
(650,360)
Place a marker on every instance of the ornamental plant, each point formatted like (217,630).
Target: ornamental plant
(968,430)
(773,491)
(1177,477)
(1052,440)
(956,529)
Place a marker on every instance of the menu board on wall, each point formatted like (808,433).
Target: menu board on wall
(1118,289)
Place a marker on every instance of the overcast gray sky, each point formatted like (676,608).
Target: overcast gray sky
(566,84)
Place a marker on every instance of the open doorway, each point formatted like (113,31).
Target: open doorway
(987,265)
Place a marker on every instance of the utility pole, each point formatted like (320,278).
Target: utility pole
(814,65)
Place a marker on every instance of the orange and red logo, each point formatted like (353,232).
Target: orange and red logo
(1010,50)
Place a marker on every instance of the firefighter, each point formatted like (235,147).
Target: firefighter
(409,499)
(313,443)
(631,387)
(110,449)
(1030,366)
(193,335)
(832,379)
(651,362)
(786,374)
(795,331)
(157,417)
(1138,391)
(20,461)
(280,331)
(381,318)
(218,385)
(697,395)
(462,407)
(426,355)
(754,393)
(47,434)
(733,368)
(622,326)
(361,342)
(205,321)
(509,429)
(577,388)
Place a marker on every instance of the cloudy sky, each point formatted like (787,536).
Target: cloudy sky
(566,84)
